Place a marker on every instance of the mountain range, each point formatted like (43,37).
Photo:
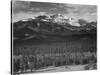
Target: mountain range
(43,27)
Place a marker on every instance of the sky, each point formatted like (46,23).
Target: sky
(30,9)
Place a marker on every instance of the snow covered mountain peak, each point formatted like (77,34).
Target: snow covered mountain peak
(61,19)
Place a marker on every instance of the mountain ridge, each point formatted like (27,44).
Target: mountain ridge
(41,27)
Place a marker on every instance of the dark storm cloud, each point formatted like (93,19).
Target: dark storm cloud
(25,6)
(28,8)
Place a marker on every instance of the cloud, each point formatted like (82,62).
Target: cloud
(27,9)
(52,9)
(34,9)
(88,12)
(78,9)
(18,6)
(23,15)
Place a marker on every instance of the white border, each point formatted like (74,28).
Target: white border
(5,50)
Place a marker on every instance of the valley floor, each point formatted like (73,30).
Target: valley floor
(60,69)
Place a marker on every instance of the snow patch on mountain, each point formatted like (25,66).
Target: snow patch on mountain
(60,19)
